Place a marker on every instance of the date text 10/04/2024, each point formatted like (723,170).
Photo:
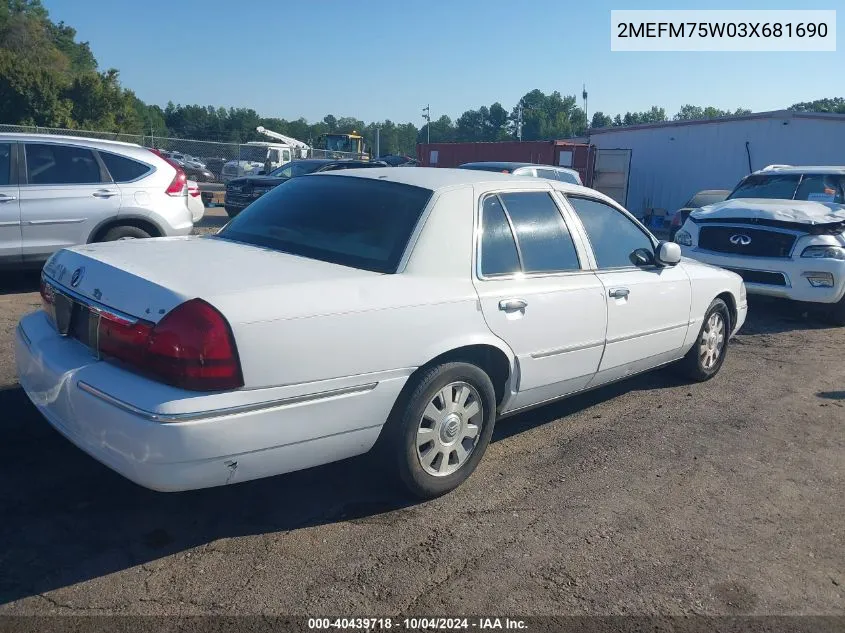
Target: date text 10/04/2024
(414,624)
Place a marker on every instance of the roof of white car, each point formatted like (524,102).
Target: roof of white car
(63,138)
(803,169)
(435,178)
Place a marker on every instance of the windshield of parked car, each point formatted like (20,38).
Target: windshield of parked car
(296,168)
(813,187)
(357,222)
(253,153)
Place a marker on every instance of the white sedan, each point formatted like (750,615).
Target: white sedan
(409,306)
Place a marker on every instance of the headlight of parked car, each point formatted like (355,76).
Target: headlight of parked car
(683,238)
(824,252)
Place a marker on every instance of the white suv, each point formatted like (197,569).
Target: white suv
(783,230)
(58,191)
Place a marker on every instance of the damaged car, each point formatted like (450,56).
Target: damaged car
(782,230)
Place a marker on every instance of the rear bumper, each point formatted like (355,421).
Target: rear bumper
(169,440)
(790,273)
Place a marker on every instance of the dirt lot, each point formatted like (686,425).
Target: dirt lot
(651,496)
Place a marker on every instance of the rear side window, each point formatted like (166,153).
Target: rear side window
(546,173)
(498,248)
(357,222)
(123,169)
(545,244)
(48,164)
(565,176)
(5,163)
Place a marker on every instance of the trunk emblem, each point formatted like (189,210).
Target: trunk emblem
(740,240)
(77,276)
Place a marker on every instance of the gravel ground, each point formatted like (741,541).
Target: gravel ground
(648,497)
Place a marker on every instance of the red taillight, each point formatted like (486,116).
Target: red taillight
(676,219)
(194,191)
(47,299)
(191,347)
(179,182)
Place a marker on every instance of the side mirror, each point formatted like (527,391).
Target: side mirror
(668,253)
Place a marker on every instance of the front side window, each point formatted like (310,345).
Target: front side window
(356,222)
(48,164)
(617,242)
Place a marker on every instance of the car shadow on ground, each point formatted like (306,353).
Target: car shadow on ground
(771,316)
(68,519)
(18,281)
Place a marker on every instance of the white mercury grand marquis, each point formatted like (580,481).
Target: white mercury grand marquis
(409,306)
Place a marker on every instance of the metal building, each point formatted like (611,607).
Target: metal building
(671,161)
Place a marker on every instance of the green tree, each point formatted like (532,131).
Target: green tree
(831,104)
(600,119)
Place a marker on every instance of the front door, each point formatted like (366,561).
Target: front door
(536,296)
(648,306)
(65,197)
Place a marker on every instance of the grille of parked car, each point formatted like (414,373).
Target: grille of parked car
(740,240)
(760,276)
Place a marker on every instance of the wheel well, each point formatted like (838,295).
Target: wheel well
(138,223)
(728,298)
(489,358)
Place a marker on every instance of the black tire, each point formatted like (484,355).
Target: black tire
(232,211)
(398,446)
(694,365)
(836,313)
(124,233)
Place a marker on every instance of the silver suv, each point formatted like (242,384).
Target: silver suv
(57,191)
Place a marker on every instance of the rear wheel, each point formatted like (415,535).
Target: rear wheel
(124,233)
(705,358)
(438,436)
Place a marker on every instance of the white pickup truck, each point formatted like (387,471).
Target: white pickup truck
(257,156)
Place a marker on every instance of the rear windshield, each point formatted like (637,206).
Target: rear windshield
(357,222)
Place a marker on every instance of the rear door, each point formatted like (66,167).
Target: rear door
(612,173)
(10,210)
(648,306)
(66,194)
(536,296)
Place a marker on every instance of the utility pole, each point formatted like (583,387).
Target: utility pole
(519,121)
(586,118)
(427,116)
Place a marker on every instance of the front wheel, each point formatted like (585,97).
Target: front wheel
(438,436)
(705,358)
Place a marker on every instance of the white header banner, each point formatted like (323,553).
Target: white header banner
(736,31)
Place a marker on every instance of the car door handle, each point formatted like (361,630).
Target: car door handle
(104,193)
(618,293)
(512,305)
(5,198)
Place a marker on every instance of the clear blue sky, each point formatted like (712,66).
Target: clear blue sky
(385,59)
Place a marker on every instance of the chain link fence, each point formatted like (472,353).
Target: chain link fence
(202,160)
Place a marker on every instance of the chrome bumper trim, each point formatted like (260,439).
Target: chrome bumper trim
(219,413)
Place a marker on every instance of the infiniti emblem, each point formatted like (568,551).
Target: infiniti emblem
(737,240)
(76,277)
